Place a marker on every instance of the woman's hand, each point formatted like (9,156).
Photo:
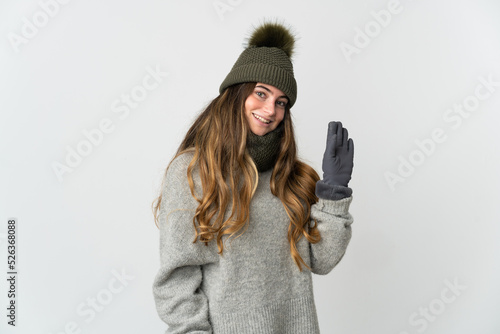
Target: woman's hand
(338,159)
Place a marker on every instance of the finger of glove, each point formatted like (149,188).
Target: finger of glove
(350,146)
(332,128)
(342,147)
(330,145)
(340,134)
(350,149)
(345,137)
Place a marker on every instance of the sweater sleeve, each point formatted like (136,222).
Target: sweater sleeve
(334,223)
(180,302)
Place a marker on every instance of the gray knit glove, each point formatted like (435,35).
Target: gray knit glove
(338,162)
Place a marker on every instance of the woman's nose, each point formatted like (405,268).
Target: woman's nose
(269,107)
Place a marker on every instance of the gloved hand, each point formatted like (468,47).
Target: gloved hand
(338,159)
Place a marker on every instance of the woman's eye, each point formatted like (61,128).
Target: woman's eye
(261,94)
(281,103)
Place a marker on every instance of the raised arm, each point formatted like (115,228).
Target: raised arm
(331,212)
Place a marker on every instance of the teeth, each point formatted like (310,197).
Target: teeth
(261,119)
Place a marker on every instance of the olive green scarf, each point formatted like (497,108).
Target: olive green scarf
(264,149)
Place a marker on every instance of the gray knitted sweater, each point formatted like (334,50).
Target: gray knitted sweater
(254,287)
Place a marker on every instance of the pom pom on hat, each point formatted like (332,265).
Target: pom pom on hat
(266,59)
(273,35)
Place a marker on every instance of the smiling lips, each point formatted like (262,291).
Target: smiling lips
(263,120)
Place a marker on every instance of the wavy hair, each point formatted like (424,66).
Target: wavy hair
(229,175)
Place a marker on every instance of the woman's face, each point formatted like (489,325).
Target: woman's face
(265,108)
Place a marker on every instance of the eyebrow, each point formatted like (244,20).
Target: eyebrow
(260,86)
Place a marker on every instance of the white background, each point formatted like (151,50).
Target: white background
(437,224)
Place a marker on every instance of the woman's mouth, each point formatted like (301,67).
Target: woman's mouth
(263,120)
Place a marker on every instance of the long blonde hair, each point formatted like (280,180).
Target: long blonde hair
(228,174)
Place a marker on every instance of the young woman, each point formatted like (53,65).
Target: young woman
(243,223)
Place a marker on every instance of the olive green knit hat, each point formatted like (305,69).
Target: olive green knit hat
(266,59)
